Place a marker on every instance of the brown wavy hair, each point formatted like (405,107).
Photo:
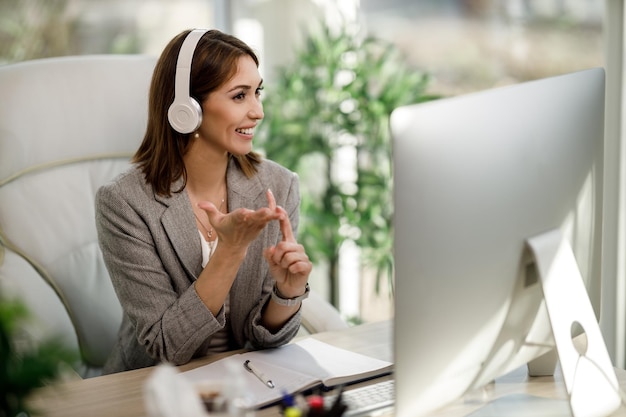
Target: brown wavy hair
(160,155)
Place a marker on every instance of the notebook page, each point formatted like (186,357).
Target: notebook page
(330,364)
(259,394)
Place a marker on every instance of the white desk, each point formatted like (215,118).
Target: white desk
(518,383)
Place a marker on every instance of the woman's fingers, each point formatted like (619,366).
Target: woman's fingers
(245,224)
(271,201)
(285,226)
(287,255)
(212,212)
(207,206)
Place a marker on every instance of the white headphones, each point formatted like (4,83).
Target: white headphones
(185,113)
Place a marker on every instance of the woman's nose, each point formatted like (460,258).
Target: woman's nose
(256,112)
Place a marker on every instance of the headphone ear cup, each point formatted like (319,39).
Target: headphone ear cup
(185,115)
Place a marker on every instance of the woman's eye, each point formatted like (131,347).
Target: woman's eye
(258,91)
(240,96)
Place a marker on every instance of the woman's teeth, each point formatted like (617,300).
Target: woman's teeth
(248,131)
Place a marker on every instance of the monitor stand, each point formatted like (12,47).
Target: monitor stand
(588,374)
(590,381)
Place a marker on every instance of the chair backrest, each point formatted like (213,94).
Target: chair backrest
(67,125)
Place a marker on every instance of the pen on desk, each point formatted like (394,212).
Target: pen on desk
(253,369)
(338,407)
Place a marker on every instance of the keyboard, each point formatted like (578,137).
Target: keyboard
(367,399)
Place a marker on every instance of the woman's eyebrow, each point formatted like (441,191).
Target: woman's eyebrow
(244,86)
(241,86)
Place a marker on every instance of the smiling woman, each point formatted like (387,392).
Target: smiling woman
(199,236)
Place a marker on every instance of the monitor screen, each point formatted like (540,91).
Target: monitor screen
(475,177)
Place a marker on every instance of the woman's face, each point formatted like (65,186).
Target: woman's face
(230,113)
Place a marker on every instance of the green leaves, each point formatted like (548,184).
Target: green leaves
(24,366)
(338,95)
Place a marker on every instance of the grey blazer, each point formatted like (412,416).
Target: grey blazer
(152,250)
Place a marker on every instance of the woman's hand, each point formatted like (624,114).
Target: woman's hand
(240,227)
(289,263)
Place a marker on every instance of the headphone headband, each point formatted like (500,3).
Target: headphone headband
(185,113)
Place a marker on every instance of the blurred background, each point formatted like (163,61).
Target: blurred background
(465,45)
(333,72)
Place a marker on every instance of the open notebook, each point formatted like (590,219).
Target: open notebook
(293,368)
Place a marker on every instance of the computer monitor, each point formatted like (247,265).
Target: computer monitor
(476,177)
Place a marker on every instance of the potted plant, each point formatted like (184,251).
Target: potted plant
(335,99)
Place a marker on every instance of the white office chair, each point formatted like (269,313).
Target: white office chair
(68,125)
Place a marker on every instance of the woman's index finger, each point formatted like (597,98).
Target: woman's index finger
(271,201)
(285,226)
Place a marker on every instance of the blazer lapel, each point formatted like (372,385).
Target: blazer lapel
(180,226)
